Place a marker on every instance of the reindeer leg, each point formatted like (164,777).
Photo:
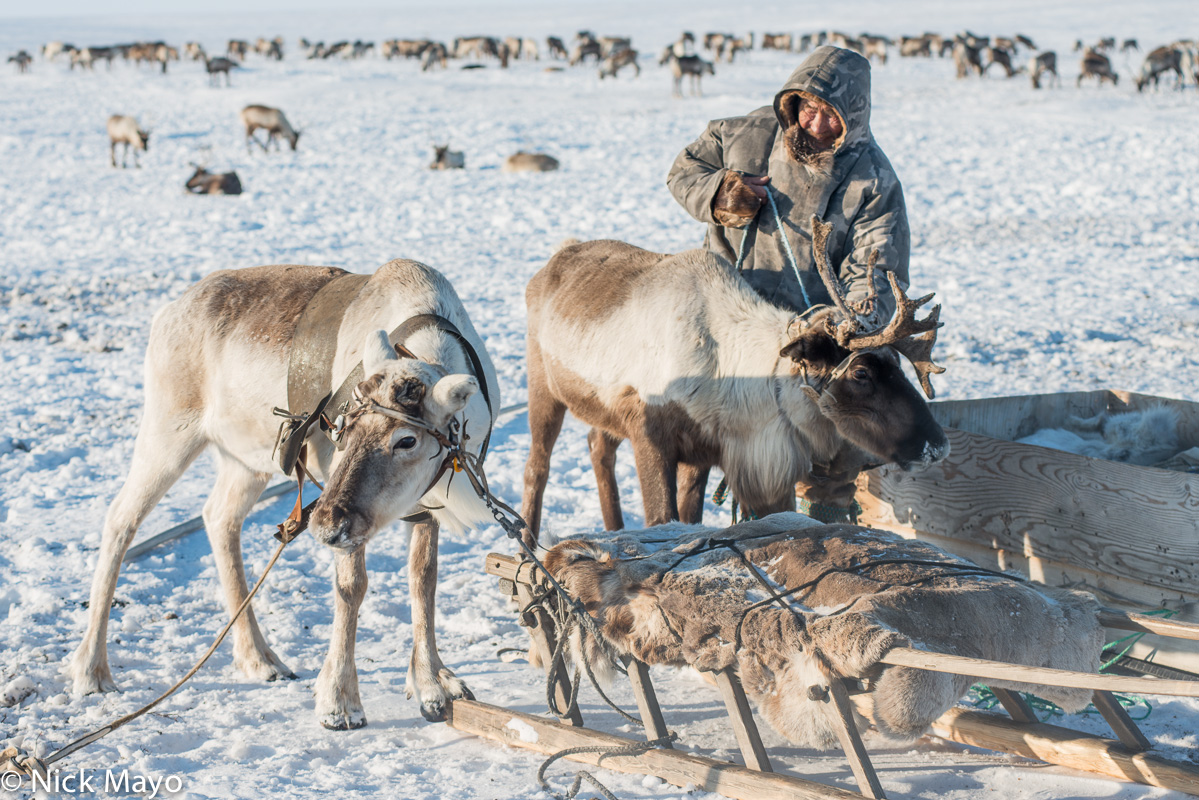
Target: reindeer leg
(164,449)
(545,423)
(429,681)
(693,484)
(338,705)
(603,447)
(112,153)
(236,490)
(657,472)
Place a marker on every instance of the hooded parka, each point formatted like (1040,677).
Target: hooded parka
(860,195)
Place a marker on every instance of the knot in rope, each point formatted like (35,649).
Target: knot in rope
(14,760)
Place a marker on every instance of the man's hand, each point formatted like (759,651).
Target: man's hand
(738,199)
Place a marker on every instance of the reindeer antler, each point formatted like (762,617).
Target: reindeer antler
(912,337)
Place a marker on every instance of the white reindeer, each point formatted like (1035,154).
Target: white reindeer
(125,130)
(270,120)
(215,367)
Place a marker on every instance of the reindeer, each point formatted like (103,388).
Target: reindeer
(22,59)
(725,379)
(1096,65)
(194,51)
(126,131)
(215,367)
(433,55)
(273,122)
(694,66)
(967,59)
(1000,56)
(521,161)
(585,46)
(1026,41)
(164,53)
(1041,64)
(445,158)
(617,61)
(913,46)
(529,49)
(216,66)
(204,182)
(1129,45)
(1160,60)
(556,48)
(730,46)
(51,50)
(237,48)
(875,47)
(776,41)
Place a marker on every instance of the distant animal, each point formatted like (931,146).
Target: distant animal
(237,48)
(52,50)
(967,59)
(125,130)
(556,48)
(1026,41)
(269,48)
(733,45)
(586,47)
(445,158)
(678,355)
(913,46)
(692,66)
(218,66)
(1129,44)
(1042,64)
(204,182)
(271,120)
(22,60)
(1003,58)
(1096,65)
(1143,438)
(617,61)
(194,51)
(1159,61)
(529,162)
(434,55)
(776,41)
(1106,43)
(612,44)
(875,47)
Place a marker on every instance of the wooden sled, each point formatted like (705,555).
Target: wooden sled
(1127,757)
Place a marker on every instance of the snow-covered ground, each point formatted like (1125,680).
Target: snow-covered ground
(1058,228)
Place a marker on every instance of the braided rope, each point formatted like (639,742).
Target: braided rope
(791,259)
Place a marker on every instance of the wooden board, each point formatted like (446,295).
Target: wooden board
(1130,534)
(1067,748)
(673,766)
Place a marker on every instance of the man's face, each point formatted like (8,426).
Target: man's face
(820,121)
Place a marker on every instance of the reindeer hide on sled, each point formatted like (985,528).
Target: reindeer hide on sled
(679,595)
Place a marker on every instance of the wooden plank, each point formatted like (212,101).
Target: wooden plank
(1126,729)
(544,639)
(840,712)
(742,719)
(1123,620)
(647,701)
(1067,748)
(1015,705)
(1046,676)
(547,736)
(1138,523)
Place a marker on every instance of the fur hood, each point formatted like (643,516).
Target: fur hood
(840,78)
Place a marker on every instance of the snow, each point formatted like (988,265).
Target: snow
(1057,228)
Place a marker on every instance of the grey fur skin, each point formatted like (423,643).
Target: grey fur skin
(862,197)
(689,615)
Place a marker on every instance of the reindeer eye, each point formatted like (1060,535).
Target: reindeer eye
(861,374)
(406,443)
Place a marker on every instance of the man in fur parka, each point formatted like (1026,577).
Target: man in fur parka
(814,151)
(813,148)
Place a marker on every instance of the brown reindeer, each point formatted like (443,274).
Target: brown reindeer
(557,48)
(273,122)
(967,59)
(237,48)
(619,60)
(776,41)
(1000,56)
(529,162)
(1160,61)
(1096,65)
(723,379)
(204,182)
(126,131)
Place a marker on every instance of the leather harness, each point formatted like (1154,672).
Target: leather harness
(310,368)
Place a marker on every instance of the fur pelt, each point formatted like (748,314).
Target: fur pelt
(656,602)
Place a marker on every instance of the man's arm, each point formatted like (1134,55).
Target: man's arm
(710,192)
(882,225)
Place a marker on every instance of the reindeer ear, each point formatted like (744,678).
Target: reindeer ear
(453,392)
(376,352)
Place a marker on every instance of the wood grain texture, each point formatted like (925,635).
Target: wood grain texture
(1067,748)
(709,775)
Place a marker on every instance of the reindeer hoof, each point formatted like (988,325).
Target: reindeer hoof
(286,675)
(344,721)
(438,710)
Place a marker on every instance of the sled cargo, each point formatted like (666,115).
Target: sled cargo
(1126,533)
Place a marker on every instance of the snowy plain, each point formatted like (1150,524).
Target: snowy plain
(1058,228)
